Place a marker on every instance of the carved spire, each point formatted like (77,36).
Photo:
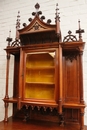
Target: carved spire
(37,6)
(80,31)
(9,39)
(17,25)
(17,40)
(38,13)
(57,21)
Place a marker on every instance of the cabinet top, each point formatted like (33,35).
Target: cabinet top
(40,32)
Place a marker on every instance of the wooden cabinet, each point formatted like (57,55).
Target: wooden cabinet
(48,77)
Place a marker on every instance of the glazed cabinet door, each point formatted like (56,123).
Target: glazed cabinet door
(40,76)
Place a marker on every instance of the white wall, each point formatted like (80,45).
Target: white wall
(70,12)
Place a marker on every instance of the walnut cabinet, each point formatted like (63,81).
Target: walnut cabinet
(48,73)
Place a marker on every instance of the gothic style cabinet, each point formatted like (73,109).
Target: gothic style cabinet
(48,77)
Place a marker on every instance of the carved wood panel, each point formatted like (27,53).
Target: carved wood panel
(72,115)
(16,76)
(71,80)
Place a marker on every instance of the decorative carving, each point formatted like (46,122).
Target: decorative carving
(70,37)
(30,19)
(17,26)
(32,107)
(42,18)
(49,21)
(80,31)
(62,120)
(39,39)
(24,24)
(71,55)
(9,39)
(57,13)
(16,43)
(36,26)
(43,110)
(18,21)
(38,107)
(57,20)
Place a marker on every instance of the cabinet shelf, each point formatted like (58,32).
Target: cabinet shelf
(47,103)
(40,68)
(40,91)
(42,83)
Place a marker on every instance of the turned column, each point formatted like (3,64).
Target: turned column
(21,76)
(6,112)
(6,93)
(82,118)
(81,76)
(60,79)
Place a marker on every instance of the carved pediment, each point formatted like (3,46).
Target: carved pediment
(37,26)
(38,31)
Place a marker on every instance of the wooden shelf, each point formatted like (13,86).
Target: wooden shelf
(42,83)
(40,68)
(10,100)
(34,102)
(73,105)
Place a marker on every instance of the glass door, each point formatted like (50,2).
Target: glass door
(40,76)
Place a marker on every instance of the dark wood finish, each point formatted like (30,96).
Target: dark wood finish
(48,76)
(16,124)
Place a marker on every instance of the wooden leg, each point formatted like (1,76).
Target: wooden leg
(6,112)
(82,119)
(61,120)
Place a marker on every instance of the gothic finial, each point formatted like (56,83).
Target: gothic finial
(18,21)
(9,39)
(49,21)
(57,14)
(37,6)
(24,25)
(17,25)
(30,19)
(70,37)
(42,18)
(57,21)
(80,31)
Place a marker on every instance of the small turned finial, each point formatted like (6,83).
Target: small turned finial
(80,31)
(18,21)
(37,6)
(24,25)
(9,39)
(57,21)
(49,21)
(57,14)
(42,18)
(30,19)
(17,25)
